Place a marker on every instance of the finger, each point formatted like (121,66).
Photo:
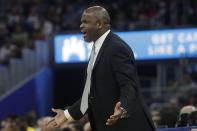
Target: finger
(114,117)
(117,106)
(54,110)
(110,122)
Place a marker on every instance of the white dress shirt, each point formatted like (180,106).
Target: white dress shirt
(98,44)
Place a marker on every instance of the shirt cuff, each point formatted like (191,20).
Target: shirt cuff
(67,114)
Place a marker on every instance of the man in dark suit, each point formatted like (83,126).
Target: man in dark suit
(111,96)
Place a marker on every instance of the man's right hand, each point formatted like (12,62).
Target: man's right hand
(57,120)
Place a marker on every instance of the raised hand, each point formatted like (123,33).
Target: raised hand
(57,120)
(113,118)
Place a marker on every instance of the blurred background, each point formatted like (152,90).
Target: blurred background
(43,58)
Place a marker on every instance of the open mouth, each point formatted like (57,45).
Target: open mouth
(84,34)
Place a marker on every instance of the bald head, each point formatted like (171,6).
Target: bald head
(187,109)
(95,21)
(100,14)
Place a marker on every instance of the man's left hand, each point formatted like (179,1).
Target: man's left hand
(117,114)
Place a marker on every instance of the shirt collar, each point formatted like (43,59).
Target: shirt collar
(98,43)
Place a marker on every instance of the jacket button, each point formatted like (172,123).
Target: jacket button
(90,99)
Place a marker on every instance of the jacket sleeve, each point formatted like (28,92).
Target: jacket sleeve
(74,110)
(123,67)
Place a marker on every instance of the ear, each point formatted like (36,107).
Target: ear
(99,24)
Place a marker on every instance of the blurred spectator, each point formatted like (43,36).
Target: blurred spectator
(57,24)
(173,85)
(3,25)
(6,121)
(193,17)
(121,21)
(192,119)
(149,11)
(30,44)
(162,13)
(51,13)
(133,15)
(20,36)
(184,115)
(187,88)
(69,17)
(31,118)
(192,99)
(27,27)
(169,114)
(2,36)
(16,53)
(14,123)
(13,16)
(17,123)
(73,125)
(188,82)
(184,21)
(174,8)
(187,109)
(45,26)
(38,35)
(156,118)
(6,52)
(33,18)
(42,124)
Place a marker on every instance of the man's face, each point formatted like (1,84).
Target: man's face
(89,26)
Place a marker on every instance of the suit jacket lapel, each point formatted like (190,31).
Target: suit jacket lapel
(105,43)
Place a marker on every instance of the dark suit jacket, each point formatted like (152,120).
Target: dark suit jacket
(114,78)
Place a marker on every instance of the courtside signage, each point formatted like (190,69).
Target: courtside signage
(146,45)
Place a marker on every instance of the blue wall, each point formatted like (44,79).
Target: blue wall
(36,94)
